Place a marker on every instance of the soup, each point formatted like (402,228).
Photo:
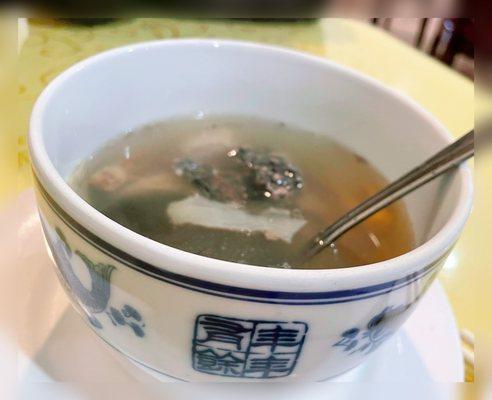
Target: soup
(241,189)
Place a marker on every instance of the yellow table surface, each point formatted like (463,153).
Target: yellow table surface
(53,46)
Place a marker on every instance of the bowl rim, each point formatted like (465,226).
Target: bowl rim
(225,271)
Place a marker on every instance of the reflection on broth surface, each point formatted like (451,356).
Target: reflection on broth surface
(241,189)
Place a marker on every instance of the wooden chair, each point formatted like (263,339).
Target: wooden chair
(456,36)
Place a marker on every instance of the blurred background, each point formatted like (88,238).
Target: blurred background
(450,40)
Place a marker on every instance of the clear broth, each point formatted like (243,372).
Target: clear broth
(144,184)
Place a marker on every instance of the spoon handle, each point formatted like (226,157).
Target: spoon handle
(450,157)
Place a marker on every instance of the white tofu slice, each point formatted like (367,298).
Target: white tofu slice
(275,223)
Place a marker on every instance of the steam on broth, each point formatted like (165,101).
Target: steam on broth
(241,189)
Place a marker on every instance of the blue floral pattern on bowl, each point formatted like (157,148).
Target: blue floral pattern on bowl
(95,302)
(367,339)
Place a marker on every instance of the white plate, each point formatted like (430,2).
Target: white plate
(55,345)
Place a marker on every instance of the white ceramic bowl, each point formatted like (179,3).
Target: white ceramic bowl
(201,319)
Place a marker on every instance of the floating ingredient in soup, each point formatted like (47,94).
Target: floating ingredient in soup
(210,183)
(108,178)
(241,189)
(274,223)
(257,175)
(271,175)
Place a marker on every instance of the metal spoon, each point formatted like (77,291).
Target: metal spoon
(450,157)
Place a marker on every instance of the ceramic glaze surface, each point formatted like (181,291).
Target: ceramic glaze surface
(222,332)
(154,303)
